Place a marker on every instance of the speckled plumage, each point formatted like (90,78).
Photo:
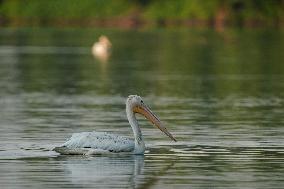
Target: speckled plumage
(95,143)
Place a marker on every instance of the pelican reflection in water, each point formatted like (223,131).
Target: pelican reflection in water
(88,143)
(104,171)
(130,171)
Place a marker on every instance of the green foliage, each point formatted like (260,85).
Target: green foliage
(165,9)
(155,10)
(63,8)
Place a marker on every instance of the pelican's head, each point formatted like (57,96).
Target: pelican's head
(105,41)
(137,105)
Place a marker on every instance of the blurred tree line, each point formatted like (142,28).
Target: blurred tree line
(217,13)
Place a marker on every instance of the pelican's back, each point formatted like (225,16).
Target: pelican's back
(95,142)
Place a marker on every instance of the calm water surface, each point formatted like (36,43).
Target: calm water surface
(220,94)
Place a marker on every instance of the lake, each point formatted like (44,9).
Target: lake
(220,94)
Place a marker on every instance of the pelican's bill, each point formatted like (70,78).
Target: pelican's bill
(145,111)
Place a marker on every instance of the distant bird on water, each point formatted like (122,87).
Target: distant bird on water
(90,143)
(102,48)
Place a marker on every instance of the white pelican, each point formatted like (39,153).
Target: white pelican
(88,143)
(102,48)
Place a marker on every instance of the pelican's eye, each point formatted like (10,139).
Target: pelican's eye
(141,101)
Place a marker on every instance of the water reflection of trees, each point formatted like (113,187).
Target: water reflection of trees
(171,63)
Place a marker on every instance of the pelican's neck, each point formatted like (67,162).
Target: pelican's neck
(139,143)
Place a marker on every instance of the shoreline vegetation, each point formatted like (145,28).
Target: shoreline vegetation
(142,13)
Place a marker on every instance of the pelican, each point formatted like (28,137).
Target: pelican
(89,143)
(102,48)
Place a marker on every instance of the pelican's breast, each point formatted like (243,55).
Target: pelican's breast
(98,49)
(99,141)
